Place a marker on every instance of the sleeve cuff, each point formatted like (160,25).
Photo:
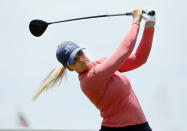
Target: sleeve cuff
(135,22)
(149,26)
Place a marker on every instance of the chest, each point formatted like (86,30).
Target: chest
(118,87)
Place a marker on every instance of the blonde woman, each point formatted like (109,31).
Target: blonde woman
(102,80)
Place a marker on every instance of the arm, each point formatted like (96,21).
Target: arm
(142,53)
(111,64)
(104,71)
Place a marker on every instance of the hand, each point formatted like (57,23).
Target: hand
(149,18)
(137,15)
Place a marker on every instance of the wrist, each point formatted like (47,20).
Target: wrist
(137,19)
(149,24)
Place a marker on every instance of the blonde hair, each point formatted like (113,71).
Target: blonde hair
(51,80)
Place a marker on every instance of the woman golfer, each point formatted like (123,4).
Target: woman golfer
(102,80)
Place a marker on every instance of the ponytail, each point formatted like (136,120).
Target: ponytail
(51,80)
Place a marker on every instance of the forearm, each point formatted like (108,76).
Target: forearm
(140,57)
(110,65)
(144,48)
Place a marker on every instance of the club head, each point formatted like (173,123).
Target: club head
(38,27)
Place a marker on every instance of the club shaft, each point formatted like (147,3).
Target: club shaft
(90,17)
(152,13)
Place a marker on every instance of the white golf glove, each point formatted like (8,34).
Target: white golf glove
(147,17)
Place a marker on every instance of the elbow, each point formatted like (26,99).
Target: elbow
(140,63)
(144,61)
(141,60)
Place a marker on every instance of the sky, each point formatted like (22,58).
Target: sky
(160,84)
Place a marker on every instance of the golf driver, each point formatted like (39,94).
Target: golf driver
(37,27)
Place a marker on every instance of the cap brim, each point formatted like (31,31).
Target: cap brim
(72,56)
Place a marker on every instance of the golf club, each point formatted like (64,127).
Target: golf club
(37,27)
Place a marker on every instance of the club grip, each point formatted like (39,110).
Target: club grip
(152,13)
(128,13)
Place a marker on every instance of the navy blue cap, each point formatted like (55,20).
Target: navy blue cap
(66,52)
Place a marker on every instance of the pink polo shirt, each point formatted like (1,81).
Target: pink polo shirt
(108,89)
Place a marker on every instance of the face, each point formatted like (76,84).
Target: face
(81,62)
